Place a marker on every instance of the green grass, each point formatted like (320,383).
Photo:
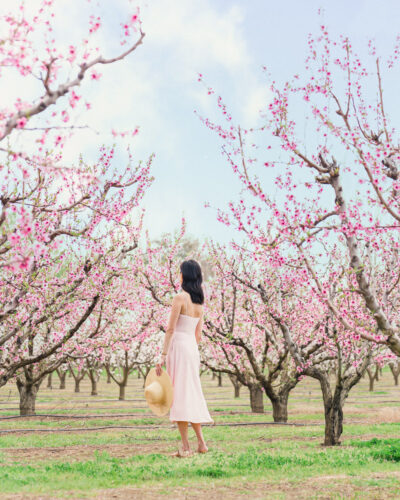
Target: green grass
(381,449)
(104,471)
(232,436)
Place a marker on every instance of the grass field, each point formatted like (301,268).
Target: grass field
(82,446)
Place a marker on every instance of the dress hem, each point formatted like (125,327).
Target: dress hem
(192,421)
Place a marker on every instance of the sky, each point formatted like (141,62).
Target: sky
(157,88)
(228,42)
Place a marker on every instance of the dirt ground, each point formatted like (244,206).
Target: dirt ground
(79,452)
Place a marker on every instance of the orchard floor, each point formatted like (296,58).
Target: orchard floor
(82,446)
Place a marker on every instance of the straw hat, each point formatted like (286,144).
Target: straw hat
(158,392)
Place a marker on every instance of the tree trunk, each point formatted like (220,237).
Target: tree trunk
(372,379)
(27,397)
(94,387)
(78,377)
(49,381)
(256,398)
(62,376)
(145,372)
(279,408)
(93,380)
(122,388)
(237,390)
(108,376)
(219,379)
(395,369)
(333,423)
(213,376)
(108,371)
(236,385)
(371,383)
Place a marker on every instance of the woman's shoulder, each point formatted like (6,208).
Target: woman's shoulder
(178,299)
(179,296)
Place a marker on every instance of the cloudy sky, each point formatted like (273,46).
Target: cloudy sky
(156,88)
(228,42)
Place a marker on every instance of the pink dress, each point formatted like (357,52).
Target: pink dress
(183,366)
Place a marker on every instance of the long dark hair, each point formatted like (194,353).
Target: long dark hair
(192,279)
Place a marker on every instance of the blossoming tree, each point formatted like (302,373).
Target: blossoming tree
(246,340)
(66,231)
(331,229)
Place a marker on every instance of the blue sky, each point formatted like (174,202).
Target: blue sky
(258,33)
(156,88)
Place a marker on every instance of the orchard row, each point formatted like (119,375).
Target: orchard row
(308,286)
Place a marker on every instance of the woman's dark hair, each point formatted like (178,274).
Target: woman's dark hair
(192,280)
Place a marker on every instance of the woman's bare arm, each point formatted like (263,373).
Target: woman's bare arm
(199,328)
(176,307)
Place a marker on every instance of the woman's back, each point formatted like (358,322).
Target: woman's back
(189,308)
(186,325)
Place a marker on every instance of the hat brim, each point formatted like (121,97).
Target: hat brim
(164,379)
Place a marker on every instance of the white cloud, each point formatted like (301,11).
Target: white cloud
(196,33)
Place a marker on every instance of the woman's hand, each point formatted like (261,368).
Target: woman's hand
(160,364)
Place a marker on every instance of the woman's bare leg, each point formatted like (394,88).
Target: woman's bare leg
(202,447)
(183,429)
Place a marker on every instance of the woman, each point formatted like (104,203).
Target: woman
(181,354)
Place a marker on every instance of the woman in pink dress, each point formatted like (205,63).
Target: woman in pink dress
(181,354)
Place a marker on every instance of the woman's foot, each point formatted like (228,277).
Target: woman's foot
(182,453)
(202,448)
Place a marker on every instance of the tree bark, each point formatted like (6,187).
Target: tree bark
(122,388)
(93,380)
(395,369)
(236,385)
(219,379)
(62,375)
(78,377)
(333,423)
(108,371)
(145,372)
(94,387)
(333,406)
(372,379)
(49,381)
(256,398)
(279,408)
(27,397)
(371,384)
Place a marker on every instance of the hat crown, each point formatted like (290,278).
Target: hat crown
(154,393)
(158,392)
